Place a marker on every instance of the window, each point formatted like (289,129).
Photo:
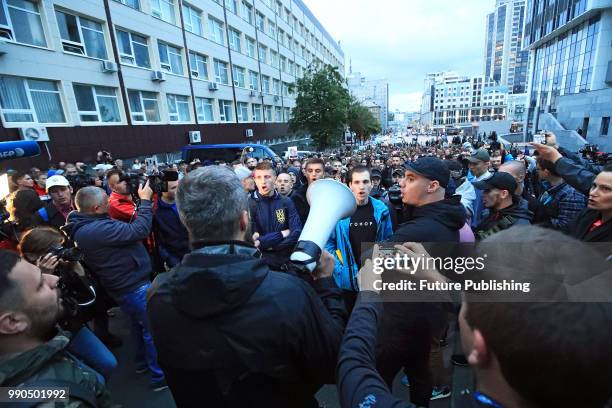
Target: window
(268,113)
(130,3)
(231,6)
(192,19)
(256,112)
(234,40)
(281,36)
(263,53)
(96,103)
(278,116)
(254,80)
(30,101)
(199,65)
(225,111)
(238,73)
(274,58)
(170,58)
(265,83)
(133,49)
(276,87)
(271,29)
(221,74)
(144,106)
(605,125)
(243,112)
(204,109)
(260,21)
(283,63)
(178,108)
(163,9)
(216,31)
(287,114)
(20,22)
(247,12)
(285,89)
(81,35)
(250,47)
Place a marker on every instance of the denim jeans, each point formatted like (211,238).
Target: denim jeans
(134,305)
(88,348)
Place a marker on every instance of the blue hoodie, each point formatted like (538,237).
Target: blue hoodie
(345,269)
(113,249)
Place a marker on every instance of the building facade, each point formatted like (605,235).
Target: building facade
(136,75)
(371,91)
(571,77)
(505,61)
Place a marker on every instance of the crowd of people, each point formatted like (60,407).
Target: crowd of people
(197,256)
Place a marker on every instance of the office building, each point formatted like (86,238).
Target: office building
(372,93)
(136,76)
(570,85)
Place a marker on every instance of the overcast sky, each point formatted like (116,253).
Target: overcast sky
(402,40)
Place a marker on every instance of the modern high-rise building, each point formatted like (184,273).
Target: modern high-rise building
(374,93)
(135,76)
(504,59)
(571,69)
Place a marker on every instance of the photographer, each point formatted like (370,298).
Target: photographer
(115,254)
(33,352)
(40,246)
(121,205)
(229,328)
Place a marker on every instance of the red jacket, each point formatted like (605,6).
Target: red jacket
(121,207)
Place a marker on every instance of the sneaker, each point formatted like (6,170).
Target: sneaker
(405,381)
(159,385)
(440,392)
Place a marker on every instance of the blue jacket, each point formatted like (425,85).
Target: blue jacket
(170,233)
(345,270)
(270,216)
(113,249)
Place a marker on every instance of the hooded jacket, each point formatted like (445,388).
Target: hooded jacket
(51,362)
(170,234)
(583,224)
(113,249)
(339,245)
(229,329)
(516,214)
(301,203)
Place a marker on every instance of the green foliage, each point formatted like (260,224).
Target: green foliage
(322,106)
(362,121)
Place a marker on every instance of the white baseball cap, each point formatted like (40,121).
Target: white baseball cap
(56,180)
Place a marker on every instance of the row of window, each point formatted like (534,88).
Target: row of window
(25,101)
(192,19)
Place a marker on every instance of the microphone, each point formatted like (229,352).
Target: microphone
(18,149)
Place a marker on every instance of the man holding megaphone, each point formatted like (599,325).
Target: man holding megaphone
(230,331)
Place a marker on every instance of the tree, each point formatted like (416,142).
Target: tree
(362,121)
(321,106)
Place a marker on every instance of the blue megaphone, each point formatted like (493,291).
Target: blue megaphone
(18,149)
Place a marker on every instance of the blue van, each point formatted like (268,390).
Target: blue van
(226,152)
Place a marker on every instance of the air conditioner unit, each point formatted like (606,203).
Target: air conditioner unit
(253,94)
(249,133)
(109,66)
(212,86)
(195,137)
(158,76)
(36,134)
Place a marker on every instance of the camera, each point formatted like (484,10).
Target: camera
(591,152)
(67,254)
(395,195)
(79,181)
(158,181)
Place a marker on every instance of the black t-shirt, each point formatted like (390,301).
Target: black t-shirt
(362,229)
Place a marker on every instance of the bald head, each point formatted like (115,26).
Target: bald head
(518,171)
(91,200)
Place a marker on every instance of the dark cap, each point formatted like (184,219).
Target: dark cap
(500,180)
(399,171)
(375,173)
(431,168)
(479,155)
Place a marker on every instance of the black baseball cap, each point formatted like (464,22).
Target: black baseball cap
(375,173)
(431,168)
(500,180)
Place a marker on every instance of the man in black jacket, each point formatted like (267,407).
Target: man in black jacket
(407,329)
(229,331)
(314,170)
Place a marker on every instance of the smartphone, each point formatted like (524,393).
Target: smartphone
(539,138)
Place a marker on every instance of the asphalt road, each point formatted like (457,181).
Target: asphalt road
(132,390)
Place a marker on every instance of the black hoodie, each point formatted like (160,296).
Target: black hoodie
(224,323)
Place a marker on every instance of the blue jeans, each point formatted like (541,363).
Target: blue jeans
(134,305)
(87,347)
